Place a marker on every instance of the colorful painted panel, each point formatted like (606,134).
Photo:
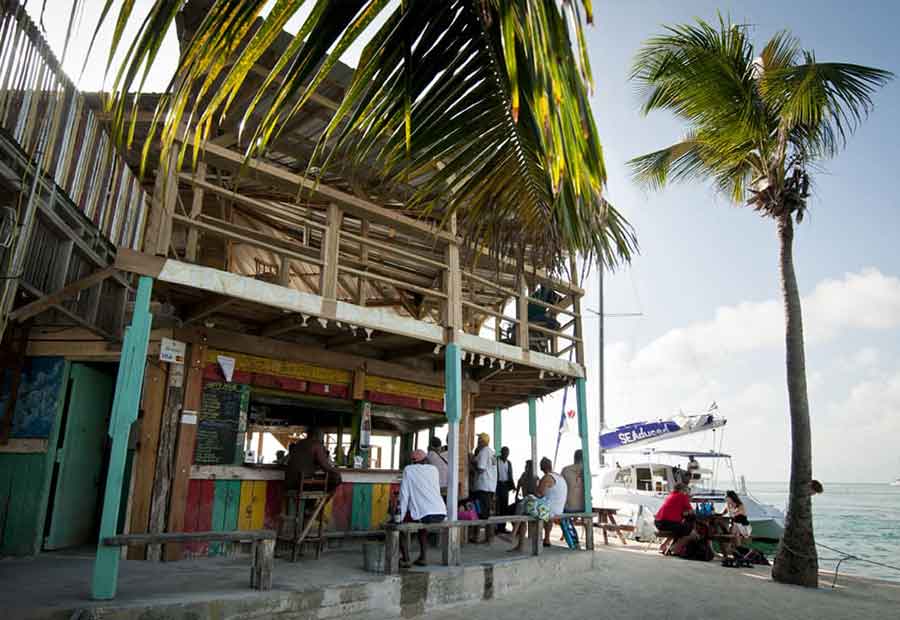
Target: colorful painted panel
(252,510)
(337,512)
(361,511)
(226,501)
(274,497)
(198,514)
(381,505)
(38,399)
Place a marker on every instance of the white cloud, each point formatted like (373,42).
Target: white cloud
(719,359)
(864,300)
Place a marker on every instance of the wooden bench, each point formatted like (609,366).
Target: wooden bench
(262,556)
(606,521)
(450,543)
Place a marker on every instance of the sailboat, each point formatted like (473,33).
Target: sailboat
(637,490)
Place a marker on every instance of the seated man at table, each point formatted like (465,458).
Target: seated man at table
(675,518)
(308,457)
(421,501)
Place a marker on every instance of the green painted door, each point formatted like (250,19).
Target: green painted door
(73,520)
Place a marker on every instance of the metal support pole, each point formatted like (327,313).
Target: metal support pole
(453,408)
(498,430)
(601,384)
(129,382)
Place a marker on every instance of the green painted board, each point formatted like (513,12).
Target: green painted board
(226,500)
(21,483)
(361,511)
(73,521)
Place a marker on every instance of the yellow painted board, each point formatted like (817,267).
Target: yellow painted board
(295,370)
(381,499)
(403,388)
(252,509)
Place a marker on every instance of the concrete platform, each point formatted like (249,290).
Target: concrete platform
(57,585)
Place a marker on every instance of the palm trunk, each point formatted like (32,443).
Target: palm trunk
(796,561)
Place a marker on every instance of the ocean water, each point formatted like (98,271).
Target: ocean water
(860,519)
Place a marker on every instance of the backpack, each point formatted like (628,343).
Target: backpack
(698,550)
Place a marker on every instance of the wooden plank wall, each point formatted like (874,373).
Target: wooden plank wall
(21,480)
(225,512)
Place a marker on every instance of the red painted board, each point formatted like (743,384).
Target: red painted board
(410,402)
(433,405)
(289,384)
(334,390)
(274,493)
(395,497)
(213,372)
(198,514)
(341,507)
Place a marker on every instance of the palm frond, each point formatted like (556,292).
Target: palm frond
(492,90)
(821,104)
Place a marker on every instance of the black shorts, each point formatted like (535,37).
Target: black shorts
(674,528)
(432,519)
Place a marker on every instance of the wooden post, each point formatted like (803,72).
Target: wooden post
(162,207)
(263,562)
(498,430)
(364,262)
(450,549)
(453,310)
(129,381)
(144,466)
(184,451)
(535,534)
(579,326)
(391,551)
(581,396)
(162,480)
(196,210)
(522,314)
(331,244)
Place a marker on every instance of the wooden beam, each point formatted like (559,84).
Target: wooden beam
(162,478)
(289,351)
(196,210)
(331,247)
(210,305)
(416,350)
(54,299)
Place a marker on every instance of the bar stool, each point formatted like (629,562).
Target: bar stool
(294,525)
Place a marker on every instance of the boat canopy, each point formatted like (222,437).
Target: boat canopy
(686,453)
(640,433)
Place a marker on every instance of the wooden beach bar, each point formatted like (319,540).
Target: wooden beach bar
(166,330)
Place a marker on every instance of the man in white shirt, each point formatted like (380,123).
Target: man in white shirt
(420,497)
(485,464)
(435,457)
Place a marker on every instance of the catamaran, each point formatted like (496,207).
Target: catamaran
(637,490)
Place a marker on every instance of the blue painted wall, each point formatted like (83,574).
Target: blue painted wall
(37,402)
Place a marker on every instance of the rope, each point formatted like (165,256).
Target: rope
(845,556)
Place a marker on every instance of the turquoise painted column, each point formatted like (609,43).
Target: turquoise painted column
(498,430)
(581,395)
(453,409)
(532,430)
(129,382)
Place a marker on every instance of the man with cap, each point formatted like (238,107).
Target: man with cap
(420,499)
(484,463)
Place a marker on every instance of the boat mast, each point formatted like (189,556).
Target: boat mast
(600,369)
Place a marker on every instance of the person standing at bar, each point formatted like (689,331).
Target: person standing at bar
(436,457)
(484,463)
(505,484)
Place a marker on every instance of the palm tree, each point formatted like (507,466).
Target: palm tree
(756,125)
(492,91)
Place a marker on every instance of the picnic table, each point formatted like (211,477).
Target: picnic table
(606,521)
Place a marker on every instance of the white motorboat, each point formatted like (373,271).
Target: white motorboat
(636,490)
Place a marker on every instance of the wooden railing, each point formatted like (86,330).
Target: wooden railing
(51,122)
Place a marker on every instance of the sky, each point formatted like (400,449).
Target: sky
(706,281)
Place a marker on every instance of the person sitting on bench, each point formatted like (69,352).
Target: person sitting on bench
(420,502)
(306,458)
(675,518)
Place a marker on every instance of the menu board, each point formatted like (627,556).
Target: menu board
(221,424)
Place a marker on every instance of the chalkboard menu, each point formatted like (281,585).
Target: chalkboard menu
(221,424)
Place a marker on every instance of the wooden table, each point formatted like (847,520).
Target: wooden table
(606,518)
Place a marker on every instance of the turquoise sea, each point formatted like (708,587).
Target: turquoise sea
(860,519)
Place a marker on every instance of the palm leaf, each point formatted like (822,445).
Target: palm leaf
(492,90)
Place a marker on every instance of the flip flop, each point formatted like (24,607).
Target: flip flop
(420,563)
(546,544)
(405,564)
